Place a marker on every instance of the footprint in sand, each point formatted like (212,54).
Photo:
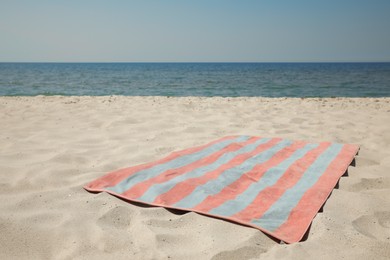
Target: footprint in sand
(361,161)
(286,131)
(281,126)
(282,129)
(166,224)
(376,226)
(245,252)
(370,184)
(118,217)
(164,150)
(297,120)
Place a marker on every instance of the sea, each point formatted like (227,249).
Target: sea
(196,79)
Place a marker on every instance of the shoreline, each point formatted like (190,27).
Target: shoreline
(53,145)
(179,97)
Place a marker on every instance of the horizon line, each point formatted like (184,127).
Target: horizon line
(195,61)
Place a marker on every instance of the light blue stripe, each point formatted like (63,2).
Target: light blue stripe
(229,176)
(151,194)
(278,213)
(173,164)
(270,177)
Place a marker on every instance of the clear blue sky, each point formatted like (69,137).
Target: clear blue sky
(194,31)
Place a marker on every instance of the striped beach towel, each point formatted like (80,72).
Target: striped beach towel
(272,184)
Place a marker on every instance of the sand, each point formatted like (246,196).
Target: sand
(52,146)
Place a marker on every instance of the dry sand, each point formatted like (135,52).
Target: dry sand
(52,146)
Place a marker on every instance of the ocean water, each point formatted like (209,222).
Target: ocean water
(197,79)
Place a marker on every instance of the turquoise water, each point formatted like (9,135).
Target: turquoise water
(197,79)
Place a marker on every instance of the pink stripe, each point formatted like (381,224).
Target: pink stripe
(246,179)
(301,216)
(270,195)
(139,189)
(185,188)
(115,177)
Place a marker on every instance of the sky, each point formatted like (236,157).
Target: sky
(194,31)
